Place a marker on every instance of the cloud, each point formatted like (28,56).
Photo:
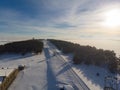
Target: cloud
(55,18)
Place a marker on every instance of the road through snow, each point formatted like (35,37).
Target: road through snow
(45,72)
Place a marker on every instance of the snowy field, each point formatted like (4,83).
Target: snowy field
(88,74)
(43,71)
(34,74)
(47,70)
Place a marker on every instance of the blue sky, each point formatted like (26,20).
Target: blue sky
(60,19)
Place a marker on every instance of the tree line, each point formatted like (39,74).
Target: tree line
(89,55)
(22,47)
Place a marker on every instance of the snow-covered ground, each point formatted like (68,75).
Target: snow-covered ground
(89,74)
(33,77)
(44,71)
(51,68)
(63,70)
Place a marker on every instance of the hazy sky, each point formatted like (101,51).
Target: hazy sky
(62,19)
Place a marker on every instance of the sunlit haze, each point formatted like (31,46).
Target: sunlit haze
(112,18)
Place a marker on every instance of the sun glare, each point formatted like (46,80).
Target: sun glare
(112,18)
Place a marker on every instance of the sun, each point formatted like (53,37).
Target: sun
(112,18)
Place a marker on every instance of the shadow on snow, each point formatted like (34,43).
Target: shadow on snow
(51,80)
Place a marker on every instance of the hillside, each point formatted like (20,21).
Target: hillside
(51,68)
(89,55)
(44,71)
(22,47)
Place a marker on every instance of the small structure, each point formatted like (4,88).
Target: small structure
(8,79)
(21,67)
(4,72)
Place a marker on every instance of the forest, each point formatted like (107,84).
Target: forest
(22,47)
(89,55)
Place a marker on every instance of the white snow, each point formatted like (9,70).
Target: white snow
(42,71)
(47,70)
(88,74)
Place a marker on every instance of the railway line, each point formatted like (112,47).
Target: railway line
(77,82)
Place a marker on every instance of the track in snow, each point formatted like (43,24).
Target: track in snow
(75,80)
(46,72)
